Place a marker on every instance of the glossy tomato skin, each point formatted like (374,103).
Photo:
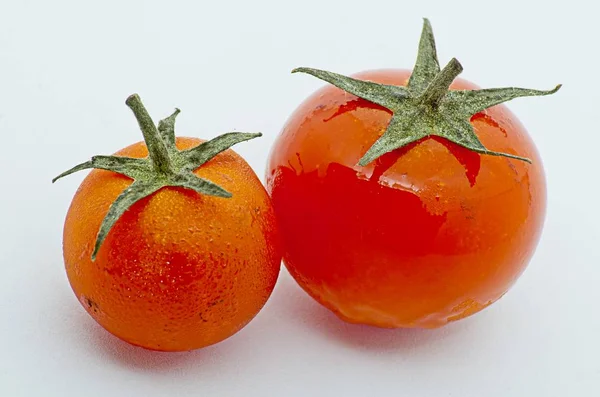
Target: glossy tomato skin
(179,270)
(425,235)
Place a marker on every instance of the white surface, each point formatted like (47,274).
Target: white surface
(65,71)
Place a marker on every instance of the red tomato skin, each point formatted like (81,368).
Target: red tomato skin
(428,234)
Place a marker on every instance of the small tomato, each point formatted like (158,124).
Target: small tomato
(171,245)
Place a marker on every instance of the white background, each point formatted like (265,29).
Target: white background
(66,68)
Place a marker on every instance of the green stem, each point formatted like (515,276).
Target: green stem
(156,146)
(441,83)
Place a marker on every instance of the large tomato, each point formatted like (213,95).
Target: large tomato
(428,231)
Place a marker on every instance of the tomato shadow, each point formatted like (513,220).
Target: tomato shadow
(108,347)
(72,329)
(308,313)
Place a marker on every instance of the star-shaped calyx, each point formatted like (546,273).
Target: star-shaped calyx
(426,106)
(165,165)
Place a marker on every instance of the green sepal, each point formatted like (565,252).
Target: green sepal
(130,167)
(427,65)
(199,155)
(388,96)
(475,101)
(197,184)
(426,106)
(134,193)
(165,165)
(166,129)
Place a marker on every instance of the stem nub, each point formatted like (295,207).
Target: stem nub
(156,146)
(441,83)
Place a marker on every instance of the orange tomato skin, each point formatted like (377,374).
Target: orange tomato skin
(425,235)
(179,270)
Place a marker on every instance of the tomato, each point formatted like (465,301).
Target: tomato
(427,233)
(179,270)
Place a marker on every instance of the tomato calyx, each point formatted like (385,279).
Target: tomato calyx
(165,165)
(426,107)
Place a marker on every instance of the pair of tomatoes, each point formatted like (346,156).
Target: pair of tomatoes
(396,199)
